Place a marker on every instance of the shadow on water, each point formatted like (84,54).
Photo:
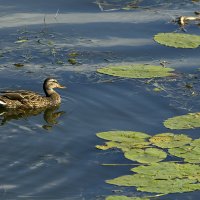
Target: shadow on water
(50,115)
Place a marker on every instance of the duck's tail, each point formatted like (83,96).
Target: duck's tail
(2,103)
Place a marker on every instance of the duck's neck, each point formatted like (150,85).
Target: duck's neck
(51,93)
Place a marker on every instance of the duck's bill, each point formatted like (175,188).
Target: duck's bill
(61,86)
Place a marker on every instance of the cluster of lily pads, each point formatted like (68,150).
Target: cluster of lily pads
(153,175)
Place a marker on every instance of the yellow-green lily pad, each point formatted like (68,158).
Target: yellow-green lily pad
(137,71)
(178,40)
(170,140)
(148,183)
(124,198)
(124,146)
(148,155)
(163,178)
(190,153)
(188,121)
(123,136)
(169,170)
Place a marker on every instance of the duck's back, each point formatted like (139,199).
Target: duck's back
(23,99)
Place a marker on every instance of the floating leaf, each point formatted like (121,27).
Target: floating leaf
(21,41)
(162,178)
(170,140)
(123,136)
(124,146)
(18,65)
(148,155)
(168,170)
(124,198)
(157,89)
(124,140)
(73,54)
(190,153)
(178,40)
(59,62)
(188,121)
(108,145)
(72,61)
(147,183)
(195,142)
(137,71)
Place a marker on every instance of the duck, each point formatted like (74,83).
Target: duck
(24,99)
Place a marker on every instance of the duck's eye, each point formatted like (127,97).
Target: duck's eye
(53,81)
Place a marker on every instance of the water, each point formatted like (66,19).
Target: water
(56,158)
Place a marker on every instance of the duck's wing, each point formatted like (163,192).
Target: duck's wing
(19,94)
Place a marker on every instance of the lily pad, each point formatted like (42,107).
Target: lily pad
(123,136)
(137,71)
(178,40)
(190,153)
(147,183)
(21,41)
(188,121)
(124,198)
(170,140)
(169,170)
(124,146)
(162,178)
(148,155)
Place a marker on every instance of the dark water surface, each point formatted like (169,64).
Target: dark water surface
(53,156)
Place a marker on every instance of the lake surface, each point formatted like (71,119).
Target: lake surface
(56,158)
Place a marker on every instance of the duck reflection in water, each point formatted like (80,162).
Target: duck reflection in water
(50,115)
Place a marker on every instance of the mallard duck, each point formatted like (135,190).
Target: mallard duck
(23,99)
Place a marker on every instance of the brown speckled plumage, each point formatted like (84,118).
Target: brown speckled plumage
(28,100)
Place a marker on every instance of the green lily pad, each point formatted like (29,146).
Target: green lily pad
(169,170)
(137,71)
(147,183)
(190,153)
(178,40)
(21,41)
(124,140)
(195,143)
(188,121)
(162,178)
(170,140)
(148,155)
(123,136)
(124,146)
(124,198)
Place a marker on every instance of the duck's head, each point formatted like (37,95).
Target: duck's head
(50,84)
